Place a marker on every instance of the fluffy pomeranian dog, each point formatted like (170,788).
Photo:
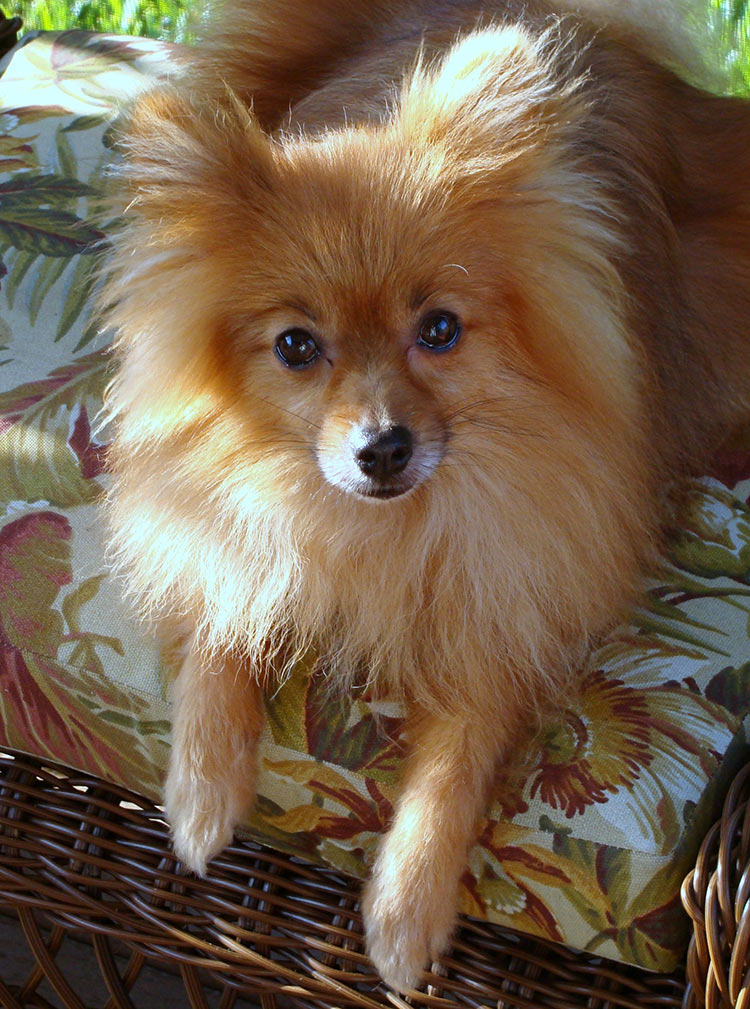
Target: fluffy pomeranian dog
(419,304)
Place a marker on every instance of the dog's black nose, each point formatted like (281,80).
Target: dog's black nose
(385,453)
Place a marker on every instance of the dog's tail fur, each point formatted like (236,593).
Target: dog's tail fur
(273,53)
(301,41)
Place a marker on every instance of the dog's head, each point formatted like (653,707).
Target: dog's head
(378,302)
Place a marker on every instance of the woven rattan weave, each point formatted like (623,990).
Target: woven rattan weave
(717,897)
(89,857)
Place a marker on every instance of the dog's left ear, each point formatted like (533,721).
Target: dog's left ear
(497,93)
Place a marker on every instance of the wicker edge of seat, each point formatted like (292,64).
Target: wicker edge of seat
(89,857)
(716,895)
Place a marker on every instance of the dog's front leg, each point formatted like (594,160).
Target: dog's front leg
(218,715)
(410,901)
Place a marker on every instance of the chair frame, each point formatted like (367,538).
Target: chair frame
(83,856)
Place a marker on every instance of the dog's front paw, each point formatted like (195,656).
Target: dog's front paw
(202,818)
(408,923)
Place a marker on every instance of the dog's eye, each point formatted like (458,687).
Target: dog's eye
(439,330)
(297,348)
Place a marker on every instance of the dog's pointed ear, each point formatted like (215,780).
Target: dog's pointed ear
(185,161)
(495,93)
(190,169)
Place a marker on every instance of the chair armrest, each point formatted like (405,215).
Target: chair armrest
(716,895)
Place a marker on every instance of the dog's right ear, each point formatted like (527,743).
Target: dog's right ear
(186,163)
(188,172)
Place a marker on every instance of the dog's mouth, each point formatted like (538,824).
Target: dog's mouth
(347,478)
(384,493)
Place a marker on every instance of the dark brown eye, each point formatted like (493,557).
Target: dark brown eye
(297,348)
(439,330)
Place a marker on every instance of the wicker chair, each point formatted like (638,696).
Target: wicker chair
(81,853)
(84,856)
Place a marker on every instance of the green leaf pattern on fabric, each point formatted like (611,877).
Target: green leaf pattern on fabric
(595,822)
(38,427)
(31,218)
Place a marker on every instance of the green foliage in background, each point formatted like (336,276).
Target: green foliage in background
(732,19)
(174,20)
(177,20)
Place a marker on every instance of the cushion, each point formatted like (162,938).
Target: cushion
(596,822)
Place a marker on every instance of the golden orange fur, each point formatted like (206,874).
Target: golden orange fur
(355,170)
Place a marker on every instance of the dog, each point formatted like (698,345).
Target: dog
(419,304)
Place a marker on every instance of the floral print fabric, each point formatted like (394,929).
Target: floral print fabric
(597,820)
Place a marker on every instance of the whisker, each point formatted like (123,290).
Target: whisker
(502,405)
(500,428)
(254,458)
(471,406)
(283,409)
